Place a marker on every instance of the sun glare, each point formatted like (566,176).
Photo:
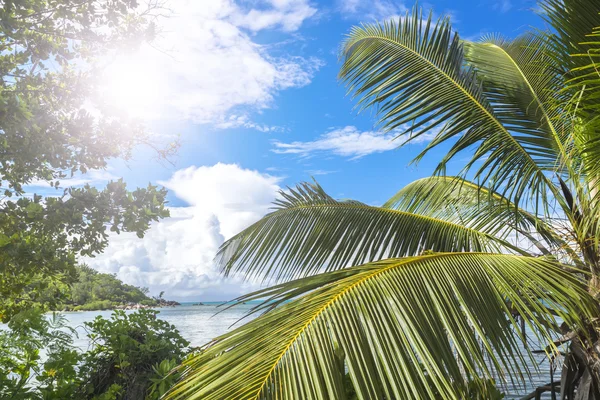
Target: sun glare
(132,86)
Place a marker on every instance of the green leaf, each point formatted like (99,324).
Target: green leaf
(458,201)
(414,72)
(310,232)
(419,327)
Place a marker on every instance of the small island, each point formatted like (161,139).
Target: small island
(94,290)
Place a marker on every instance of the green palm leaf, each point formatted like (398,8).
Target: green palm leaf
(520,78)
(586,104)
(578,33)
(414,72)
(407,328)
(458,201)
(310,232)
(572,21)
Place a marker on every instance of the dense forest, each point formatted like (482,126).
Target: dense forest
(97,291)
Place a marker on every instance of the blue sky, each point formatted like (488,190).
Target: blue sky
(306,113)
(251,89)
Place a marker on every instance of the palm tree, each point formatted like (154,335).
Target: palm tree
(432,294)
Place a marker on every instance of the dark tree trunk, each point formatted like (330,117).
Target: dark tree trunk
(580,377)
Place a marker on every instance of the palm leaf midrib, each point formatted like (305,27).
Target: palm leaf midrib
(401,262)
(537,99)
(337,204)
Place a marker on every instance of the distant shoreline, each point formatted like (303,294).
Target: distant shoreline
(140,306)
(110,306)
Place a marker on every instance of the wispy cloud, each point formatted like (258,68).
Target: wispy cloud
(285,14)
(316,172)
(502,5)
(375,10)
(274,169)
(346,142)
(244,121)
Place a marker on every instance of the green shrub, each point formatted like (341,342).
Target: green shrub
(126,351)
(130,357)
(22,373)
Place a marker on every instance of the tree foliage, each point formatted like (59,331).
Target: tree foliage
(51,128)
(94,290)
(127,350)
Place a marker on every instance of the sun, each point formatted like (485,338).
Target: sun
(132,85)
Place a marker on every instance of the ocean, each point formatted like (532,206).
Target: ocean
(198,324)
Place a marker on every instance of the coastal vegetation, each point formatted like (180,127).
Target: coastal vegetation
(53,131)
(130,357)
(433,294)
(92,290)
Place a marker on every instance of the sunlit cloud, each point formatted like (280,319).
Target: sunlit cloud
(244,121)
(285,14)
(205,66)
(177,254)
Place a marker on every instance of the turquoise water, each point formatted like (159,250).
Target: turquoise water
(199,324)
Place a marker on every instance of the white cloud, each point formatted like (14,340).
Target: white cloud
(205,66)
(237,121)
(236,196)
(375,10)
(502,5)
(286,14)
(176,255)
(347,142)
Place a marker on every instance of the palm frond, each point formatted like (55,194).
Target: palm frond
(520,79)
(311,232)
(586,105)
(459,201)
(583,107)
(418,327)
(413,71)
(572,21)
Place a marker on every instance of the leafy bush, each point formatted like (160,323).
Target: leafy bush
(164,378)
(20,363)
(131,357)
(126,350)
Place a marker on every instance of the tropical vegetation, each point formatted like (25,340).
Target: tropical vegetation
(433,294)
(96,291)
(92,290)
(130,357)
(52,130)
